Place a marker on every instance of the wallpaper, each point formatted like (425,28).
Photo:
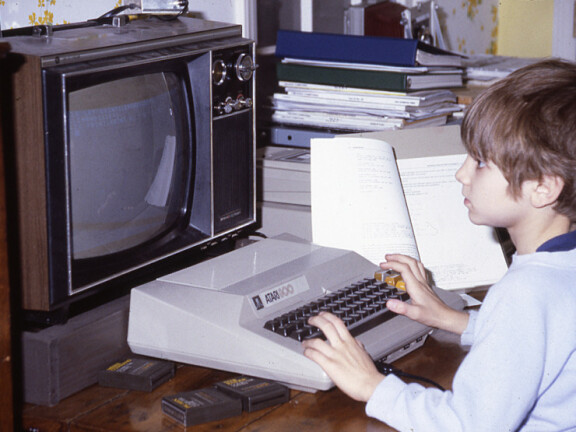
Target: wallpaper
(470,27)
(21,13)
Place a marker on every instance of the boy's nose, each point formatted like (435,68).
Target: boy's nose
(462,173)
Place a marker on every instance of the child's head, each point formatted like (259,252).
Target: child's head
(526,125)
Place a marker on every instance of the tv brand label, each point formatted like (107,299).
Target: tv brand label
(280,293)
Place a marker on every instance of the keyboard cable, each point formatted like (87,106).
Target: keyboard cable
(387,369)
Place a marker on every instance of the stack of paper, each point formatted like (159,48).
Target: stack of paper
(363,83)
(388,192)
(484,70)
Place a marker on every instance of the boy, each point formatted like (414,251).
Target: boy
(520,373)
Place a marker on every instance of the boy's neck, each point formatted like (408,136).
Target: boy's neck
(530,237)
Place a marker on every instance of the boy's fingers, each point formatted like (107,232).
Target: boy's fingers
(338,324)
(325,324)
(402,308)
(317,345)
(408,267)
(333,327)
(397,306)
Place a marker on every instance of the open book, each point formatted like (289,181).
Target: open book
(365,199)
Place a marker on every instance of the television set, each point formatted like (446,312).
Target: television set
(134,145)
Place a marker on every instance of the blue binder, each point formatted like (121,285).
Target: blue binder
(356,49)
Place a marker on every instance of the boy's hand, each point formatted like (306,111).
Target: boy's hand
(343,358)
(426,307)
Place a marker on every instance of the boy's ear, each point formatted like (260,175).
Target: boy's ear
(547,190)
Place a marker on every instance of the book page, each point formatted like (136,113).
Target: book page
(458,253)
(357,198)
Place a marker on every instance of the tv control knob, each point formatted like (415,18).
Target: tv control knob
(244,67)
(229,105)
(244,102)
(237,104)
(220,108)
(219,72)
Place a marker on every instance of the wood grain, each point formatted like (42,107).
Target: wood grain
(105,409)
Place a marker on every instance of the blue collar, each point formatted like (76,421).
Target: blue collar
(564,242)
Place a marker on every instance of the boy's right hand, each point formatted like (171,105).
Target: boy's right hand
(425,306)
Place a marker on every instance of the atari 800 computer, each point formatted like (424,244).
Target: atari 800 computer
(246,311)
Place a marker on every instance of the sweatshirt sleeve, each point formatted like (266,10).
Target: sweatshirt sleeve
(467,337)
(493,362)
(395,402)
(391,390)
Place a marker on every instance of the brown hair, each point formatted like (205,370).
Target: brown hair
(526,125)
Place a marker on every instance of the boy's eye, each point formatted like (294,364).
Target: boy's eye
(481,164)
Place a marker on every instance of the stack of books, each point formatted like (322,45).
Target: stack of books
(363,83)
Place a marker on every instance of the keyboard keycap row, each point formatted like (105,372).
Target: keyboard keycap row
(362,306)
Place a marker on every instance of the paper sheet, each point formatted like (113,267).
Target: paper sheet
(357,199)
(458,253)
(358,203)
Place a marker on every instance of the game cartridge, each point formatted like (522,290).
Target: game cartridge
(255,393)
(200,406)
(137,374)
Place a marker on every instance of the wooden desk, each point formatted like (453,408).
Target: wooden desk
(107,409)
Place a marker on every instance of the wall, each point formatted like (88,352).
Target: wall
(469,26)
(553,35)
(517,16)
(21,13)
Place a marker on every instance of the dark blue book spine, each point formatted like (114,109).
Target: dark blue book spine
(346,48)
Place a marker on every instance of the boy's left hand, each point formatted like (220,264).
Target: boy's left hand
(425,306)
(343,358)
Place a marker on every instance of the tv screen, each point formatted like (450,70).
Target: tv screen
(129,162)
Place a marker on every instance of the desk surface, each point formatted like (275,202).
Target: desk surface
(107,409)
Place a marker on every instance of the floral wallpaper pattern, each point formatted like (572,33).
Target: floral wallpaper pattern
(470,26)
(21,13)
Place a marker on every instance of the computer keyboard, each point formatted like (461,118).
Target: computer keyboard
(361,305)
(246,311)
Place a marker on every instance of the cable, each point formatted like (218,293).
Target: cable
(117,10)
(183,3)
(387,369)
